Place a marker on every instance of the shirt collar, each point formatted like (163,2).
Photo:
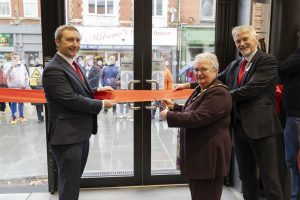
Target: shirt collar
(69,60)
(249,58)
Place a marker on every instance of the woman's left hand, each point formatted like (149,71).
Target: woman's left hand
(163,114)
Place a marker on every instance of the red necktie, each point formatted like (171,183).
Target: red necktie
(242,71)
(78,71)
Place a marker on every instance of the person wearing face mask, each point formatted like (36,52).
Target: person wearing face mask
(256,129)
(92,72)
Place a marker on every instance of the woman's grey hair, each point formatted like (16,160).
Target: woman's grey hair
(245,28)
(59,30)
(210,57)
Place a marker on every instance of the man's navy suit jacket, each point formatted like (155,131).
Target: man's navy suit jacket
(72,111)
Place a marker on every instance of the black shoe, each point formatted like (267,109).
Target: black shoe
(40,120)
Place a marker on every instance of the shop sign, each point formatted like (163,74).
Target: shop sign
(123,36)
(6,40)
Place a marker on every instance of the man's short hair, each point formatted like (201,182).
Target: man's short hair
(14,54)
(59,30)
(245,28)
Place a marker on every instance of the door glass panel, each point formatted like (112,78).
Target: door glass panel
(179,33)
(23,157)
(106,57)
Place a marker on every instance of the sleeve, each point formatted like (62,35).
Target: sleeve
(169,80)
(213,106)
(6,69)
(265,74)
(290,65)
(102,76)
(95,78)
(59,89)
(222,75)
(27,86)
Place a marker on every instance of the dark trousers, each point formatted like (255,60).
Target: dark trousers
(39,110)
(71,160)
(206,189)
(2,106)
(292,135)
(261,153)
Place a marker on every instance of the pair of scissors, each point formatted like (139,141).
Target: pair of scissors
(159,104)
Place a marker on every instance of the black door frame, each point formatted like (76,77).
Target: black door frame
(53,15)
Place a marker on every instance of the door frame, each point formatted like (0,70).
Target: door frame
(53,15)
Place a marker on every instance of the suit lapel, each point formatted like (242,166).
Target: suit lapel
(236,72)
(86,84)
(250,67)
(72,71)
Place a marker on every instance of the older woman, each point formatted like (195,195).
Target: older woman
(205,145)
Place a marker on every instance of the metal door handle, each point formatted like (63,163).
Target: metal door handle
(155,82)
(130,84)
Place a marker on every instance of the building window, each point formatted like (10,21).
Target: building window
(30,8)
(208,10)
(101,7)
(157,7)
(5,8)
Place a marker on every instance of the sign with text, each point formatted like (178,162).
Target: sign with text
(123,36)
(6,40)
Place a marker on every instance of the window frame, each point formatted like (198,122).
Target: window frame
(155,10)
(26,7)
(106,8)
(9,8)
(213,16)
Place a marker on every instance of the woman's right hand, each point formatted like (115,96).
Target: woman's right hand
(168,103)
(181,86)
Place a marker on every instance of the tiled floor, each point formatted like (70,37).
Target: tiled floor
(23,155)
(23,146)
(131,193)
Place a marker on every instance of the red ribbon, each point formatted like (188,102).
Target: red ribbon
(38,96)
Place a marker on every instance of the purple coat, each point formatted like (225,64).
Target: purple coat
(205,144)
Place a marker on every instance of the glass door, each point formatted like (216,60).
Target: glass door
(180,31)
(107,57)
(133,147)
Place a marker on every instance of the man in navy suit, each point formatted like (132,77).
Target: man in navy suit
(257,132)
(72,116)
